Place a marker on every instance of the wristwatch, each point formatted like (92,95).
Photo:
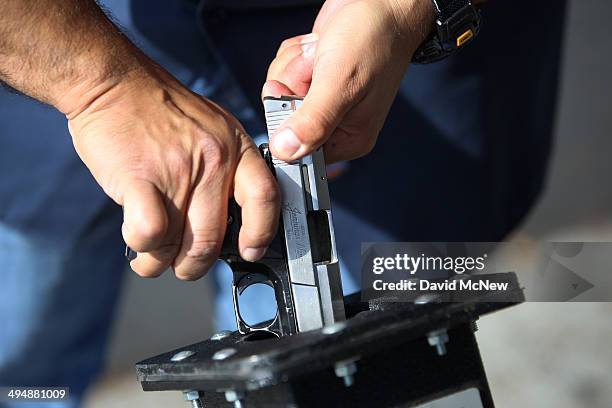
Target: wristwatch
(457,23)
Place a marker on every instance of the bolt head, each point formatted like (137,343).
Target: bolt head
(345,368)
(233,395)
(181,355)
(224,353)
(191,395)
(437,337)
(221,335)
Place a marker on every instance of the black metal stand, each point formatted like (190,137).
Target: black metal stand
(384,355)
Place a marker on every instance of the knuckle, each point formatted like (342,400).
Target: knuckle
(216,154)
(204,249)
(150,231)
(274,70)
(199,258)
(286,43)
(178,162)
(264,190)
(318,123)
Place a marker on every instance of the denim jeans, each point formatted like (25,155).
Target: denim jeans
(56,305)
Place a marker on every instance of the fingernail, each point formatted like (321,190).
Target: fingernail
(286,143)
(267,91)
(309,38)
(308,49)
(253,254)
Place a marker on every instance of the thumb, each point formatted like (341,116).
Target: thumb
(314,121)
(275,89)
(145,220)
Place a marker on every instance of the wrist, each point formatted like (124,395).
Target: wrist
(414,20)
(120,70)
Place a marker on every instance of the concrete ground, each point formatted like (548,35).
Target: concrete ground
(536,355)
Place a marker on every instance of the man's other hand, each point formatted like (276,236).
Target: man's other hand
(349,70)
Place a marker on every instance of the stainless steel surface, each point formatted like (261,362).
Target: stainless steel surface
(308,311)
(295,224)
(314,284)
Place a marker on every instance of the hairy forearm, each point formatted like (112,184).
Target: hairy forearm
(62,52)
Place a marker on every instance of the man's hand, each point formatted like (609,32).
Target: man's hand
(349,70)
(171,158)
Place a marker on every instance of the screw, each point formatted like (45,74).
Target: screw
(346,370)
(438,338)
(224,353)
(220,335)
(195,397)
(181,355)
(236,397)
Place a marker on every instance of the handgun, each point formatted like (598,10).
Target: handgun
(301,264)
(369,348)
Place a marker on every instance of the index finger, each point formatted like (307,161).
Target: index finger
(256,192)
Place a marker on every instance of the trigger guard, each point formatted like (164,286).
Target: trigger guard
(251,279)
(244,281)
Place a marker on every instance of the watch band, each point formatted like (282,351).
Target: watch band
(457,23)
(446,8)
